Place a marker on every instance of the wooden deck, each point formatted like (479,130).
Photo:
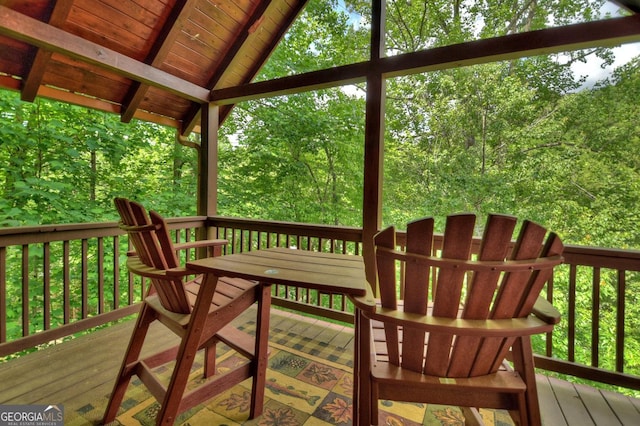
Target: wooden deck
(81,371)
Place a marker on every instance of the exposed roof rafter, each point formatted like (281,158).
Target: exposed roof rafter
(39,65)
(159,52)
(155,59)
(44,36)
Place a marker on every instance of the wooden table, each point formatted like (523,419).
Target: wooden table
(327,272)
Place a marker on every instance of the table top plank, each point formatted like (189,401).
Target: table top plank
(330,272)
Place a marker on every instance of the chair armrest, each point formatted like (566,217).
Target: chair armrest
(200,243)
(544,310)
(135,265)
(463,327)
(192,244)
(366,303)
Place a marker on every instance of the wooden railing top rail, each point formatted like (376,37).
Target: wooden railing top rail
(627,259)
(348,233)
(598,257)
(19,235)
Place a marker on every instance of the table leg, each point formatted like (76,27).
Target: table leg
(261,350)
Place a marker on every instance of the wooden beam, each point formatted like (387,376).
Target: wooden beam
(266,52)
(225,110)
(208,162)
(631,5)
(160,50)
(347,74)
(38,66)
(605,33)
(44,36)
(194,114)
(374,143)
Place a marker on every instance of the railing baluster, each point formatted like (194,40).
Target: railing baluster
(188,253)
(25,290)
(549,335)
(620,317)
(571,334)
(116,272)
(3,292)
(100,275)
(66,283)
(595,317)
(46,286)
(131,278)
(84,280)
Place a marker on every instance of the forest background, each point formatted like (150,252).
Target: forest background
(527,137)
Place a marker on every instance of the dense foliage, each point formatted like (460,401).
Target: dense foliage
(64,164)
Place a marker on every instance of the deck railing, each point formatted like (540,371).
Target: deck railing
(58,280)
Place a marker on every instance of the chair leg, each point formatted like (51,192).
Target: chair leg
(523,363)
(471,416)
(145,318)
(261,351)
(363,408)
(187,353)
(374,401)
(210,360)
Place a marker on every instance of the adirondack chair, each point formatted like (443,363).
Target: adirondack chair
(444,324)
(171,302)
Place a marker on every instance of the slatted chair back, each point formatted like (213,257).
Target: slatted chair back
(503,281)
(152,243)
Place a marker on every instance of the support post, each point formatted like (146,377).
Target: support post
(373,144)
(208,167)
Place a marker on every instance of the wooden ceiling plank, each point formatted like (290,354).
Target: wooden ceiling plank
(161,48)
(135,11)
(208,12)
(608,32)
(239,40)
(261,59)
(108,26)
(256,15)
(33,80)
(24,28)
(192,118)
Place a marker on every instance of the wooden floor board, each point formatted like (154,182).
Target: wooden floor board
(636,403)
(81,371)
(573,409)
(598,407)
(625,410)
(549,407)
